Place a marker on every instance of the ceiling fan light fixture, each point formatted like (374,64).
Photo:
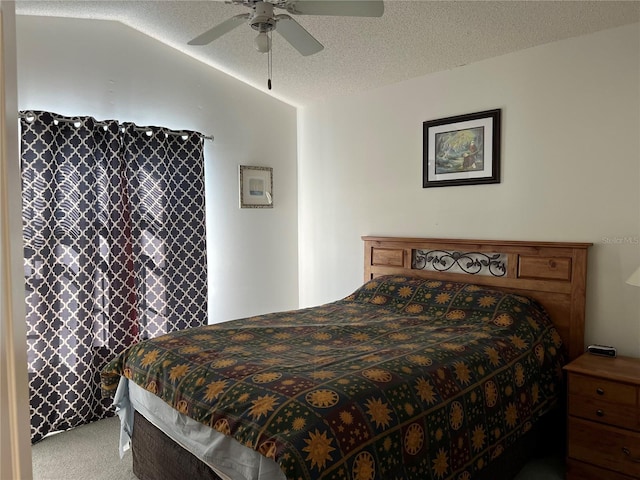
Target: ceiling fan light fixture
(262,42)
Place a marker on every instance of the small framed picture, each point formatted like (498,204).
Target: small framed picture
(462,150)
(256,187)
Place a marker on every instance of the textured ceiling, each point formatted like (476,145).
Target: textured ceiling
(411,39)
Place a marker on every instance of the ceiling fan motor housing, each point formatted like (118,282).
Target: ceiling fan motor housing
(262,19)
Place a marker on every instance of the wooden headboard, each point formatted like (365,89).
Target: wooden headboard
(554,273)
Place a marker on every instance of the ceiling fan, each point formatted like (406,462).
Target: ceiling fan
(263,20)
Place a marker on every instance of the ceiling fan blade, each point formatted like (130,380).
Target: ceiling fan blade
(346,8)
(297,36)
(219,30)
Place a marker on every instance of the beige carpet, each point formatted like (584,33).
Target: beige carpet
(90,452)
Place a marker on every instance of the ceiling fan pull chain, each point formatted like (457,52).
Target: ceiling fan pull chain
(269,59)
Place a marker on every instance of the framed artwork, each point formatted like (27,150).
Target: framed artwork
(256,187)
(461,150)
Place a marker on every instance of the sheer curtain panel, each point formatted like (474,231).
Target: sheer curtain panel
(114,249)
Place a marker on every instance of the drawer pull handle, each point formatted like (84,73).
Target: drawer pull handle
(599,413)
(600,391)
(627,452)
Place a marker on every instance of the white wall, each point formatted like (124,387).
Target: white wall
(570,169)
(109,71)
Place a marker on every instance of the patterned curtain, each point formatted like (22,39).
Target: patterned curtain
(114,247)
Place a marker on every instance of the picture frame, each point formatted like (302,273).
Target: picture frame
(462,150)
(256,187)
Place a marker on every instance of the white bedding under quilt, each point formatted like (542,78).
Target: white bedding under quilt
(226,456)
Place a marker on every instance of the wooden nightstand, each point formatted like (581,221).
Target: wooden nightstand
(603,418)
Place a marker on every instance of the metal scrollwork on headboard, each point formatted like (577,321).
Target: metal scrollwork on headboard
(472,263)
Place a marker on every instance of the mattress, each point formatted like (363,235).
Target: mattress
(406,378)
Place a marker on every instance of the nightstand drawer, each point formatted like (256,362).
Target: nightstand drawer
(625,416)
(583,471)
(599,389)
(607,447)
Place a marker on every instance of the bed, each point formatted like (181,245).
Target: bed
(445,363)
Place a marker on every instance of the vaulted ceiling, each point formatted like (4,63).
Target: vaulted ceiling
(411,38)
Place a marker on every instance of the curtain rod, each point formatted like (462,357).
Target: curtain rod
(30,116)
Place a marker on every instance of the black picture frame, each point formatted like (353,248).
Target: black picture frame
(462,150)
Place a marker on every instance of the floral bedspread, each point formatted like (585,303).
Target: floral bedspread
(406,378)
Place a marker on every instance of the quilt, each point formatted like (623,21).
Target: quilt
(407,378)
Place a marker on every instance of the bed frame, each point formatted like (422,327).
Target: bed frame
(553,273)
